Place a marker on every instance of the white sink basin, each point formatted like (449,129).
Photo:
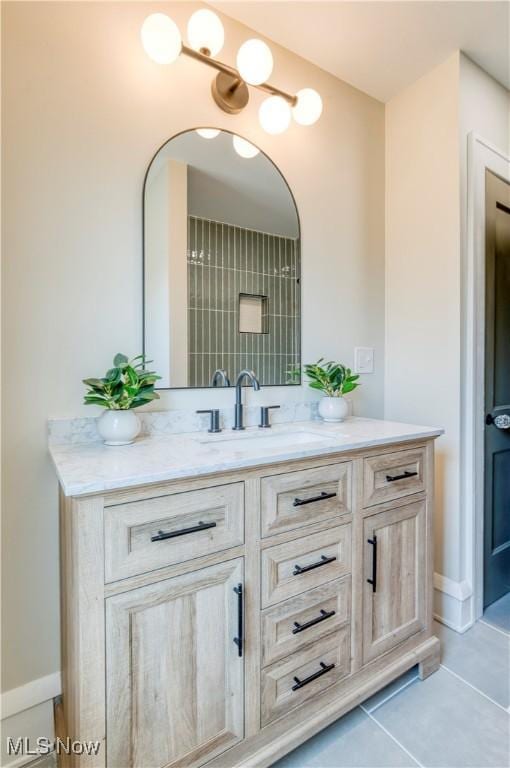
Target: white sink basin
(246,440)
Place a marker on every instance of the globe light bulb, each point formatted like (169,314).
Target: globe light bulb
(274,115)
(207,133)
(161,38)
(308,107)
(244,148)
(255,62)
(205,32)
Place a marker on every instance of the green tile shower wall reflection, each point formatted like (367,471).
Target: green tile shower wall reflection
(225,261)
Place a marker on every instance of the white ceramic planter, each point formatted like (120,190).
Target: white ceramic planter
(118,427)
(333,408)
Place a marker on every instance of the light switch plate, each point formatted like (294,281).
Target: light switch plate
(363,360)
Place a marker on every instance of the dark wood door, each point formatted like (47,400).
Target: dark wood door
(497,391)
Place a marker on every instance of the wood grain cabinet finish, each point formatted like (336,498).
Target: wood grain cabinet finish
(393,475)
(291,568)
(289,626)
(291,682)
(196,523)
(335,603)
(295,499)
(174,678)
(394,545)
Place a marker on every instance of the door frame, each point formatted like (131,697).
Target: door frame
(482,156)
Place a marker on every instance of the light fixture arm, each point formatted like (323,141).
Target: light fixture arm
(229,89)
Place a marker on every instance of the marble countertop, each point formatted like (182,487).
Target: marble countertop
(94,468)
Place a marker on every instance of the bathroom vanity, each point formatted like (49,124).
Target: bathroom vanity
(225,597)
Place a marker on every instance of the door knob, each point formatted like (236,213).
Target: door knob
(501,422)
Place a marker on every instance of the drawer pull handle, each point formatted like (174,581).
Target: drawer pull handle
(304,568)
(373,580)
(300,627)
(322,671)
(323,495)
(161,535)
(239,639)
(406,474)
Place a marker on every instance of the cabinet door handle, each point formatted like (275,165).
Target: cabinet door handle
(403,476)
(323,616)
(161,535)
(304,568)
(322,671)
(239,639)
(323,495)
(373,580)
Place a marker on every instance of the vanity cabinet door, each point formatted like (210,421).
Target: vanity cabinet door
(394,547)
(174,673)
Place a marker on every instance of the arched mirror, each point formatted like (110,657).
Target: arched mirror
(221,263)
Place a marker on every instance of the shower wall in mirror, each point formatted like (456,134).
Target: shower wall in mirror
(221,265)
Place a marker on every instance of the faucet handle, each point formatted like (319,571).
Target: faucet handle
(215,419)
(264,416)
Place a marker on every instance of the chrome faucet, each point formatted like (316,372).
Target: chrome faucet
(239,402)
(220,374)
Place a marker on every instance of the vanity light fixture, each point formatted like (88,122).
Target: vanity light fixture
(254,62)
(205,32)
(208,133)
(162,42)
(274,115)
(244,148)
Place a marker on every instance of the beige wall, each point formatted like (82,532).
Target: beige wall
(423,277)
(84,111)
(484,108)
(157,283)
(427,126)
(177,217)
(166,273)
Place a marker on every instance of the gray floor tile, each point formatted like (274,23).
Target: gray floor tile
(480,656)
(354,741)
(499,613)
(390,690)
(446,724)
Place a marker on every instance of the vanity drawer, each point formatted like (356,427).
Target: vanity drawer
(295,499)
(290,682)
(291,568)
(393,475)
(293,624)
(141,536)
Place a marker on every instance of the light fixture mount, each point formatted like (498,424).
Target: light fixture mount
(230,93)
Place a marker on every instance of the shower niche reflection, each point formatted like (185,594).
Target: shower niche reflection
(221,265)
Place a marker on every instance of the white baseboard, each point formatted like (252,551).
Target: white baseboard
(30,695)
(27,712)
(29,761)
(33,723)
(453,602)
(460,590)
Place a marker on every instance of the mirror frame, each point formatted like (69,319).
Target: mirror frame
(300,323)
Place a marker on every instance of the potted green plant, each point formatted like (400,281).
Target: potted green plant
(334,380)
(125,386)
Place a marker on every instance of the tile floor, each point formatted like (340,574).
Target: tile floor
(458,718)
